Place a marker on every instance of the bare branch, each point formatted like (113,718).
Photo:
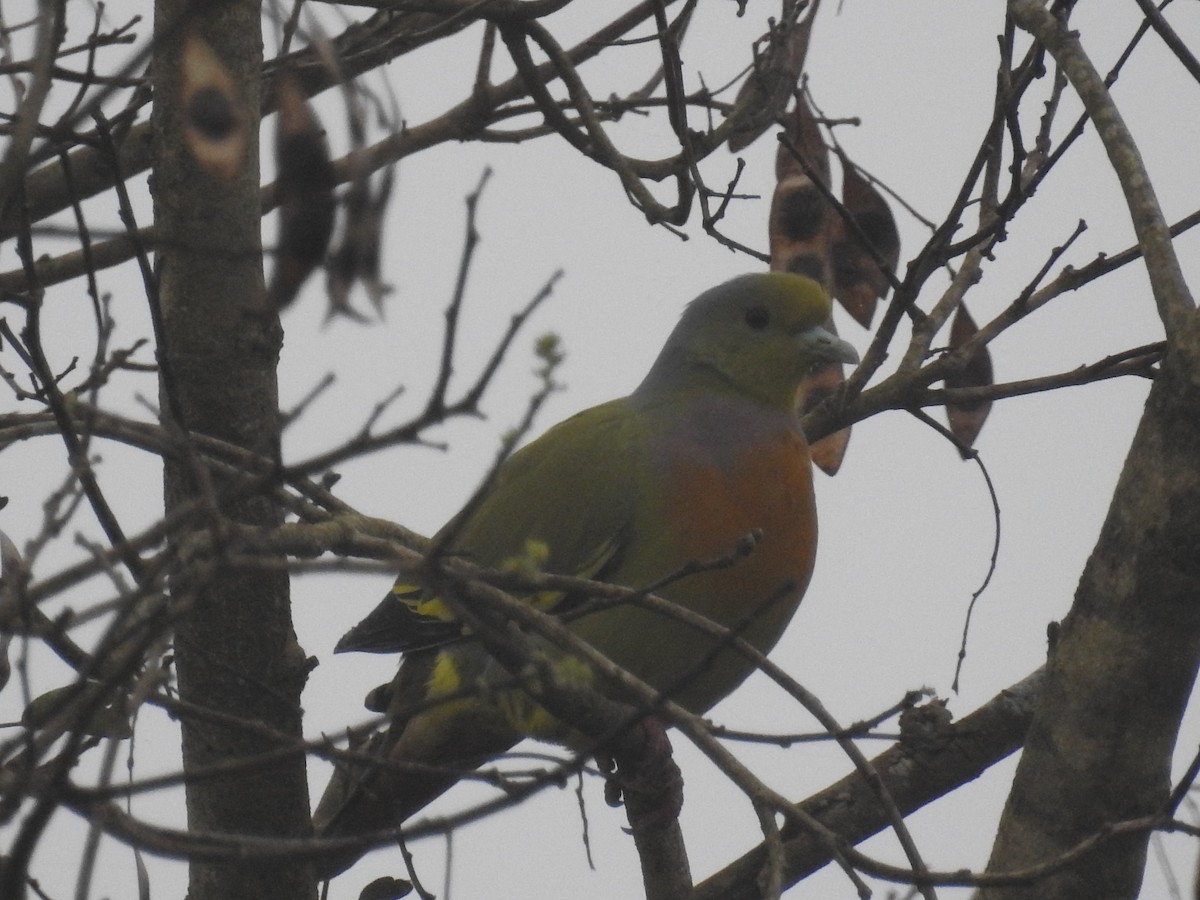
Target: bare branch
(1171,293)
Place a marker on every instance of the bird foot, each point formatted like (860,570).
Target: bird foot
(644,775)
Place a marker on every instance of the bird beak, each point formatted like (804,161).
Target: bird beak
(824,346)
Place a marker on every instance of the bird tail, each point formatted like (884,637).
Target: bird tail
(395,773)
(364,798)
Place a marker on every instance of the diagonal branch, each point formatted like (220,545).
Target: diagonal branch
(1171,293)
(915,774)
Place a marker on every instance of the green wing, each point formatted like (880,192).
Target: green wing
(564,504)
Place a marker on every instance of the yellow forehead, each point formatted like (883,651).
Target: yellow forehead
(800,295)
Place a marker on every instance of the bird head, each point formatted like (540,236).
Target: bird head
(758,335)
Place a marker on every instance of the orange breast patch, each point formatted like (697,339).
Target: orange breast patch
(767,489)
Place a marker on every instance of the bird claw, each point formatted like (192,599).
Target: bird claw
(649,781)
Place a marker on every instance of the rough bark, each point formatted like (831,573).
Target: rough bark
(235,649)
(924,766)
(1099,749)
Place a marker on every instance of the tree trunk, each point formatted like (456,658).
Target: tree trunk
(1122,669)
(235,649)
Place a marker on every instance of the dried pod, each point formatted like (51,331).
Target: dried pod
(214,124)
(966,419)
(305,183)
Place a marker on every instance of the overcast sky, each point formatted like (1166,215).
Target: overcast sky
(906,527)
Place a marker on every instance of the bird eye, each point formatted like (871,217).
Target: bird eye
(758,318)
